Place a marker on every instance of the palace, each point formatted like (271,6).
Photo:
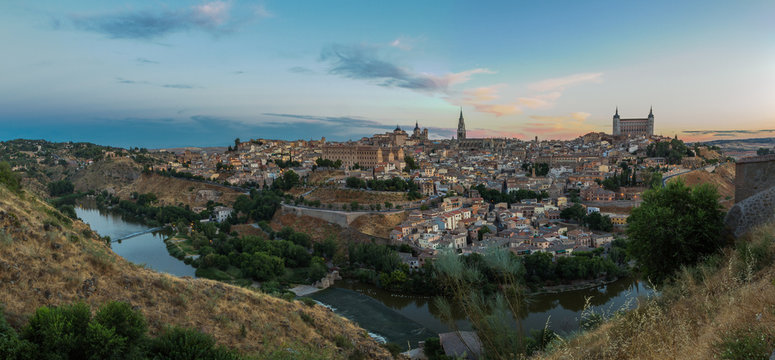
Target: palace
(366,156)
(633,127)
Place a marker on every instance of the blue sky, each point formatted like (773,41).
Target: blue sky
(174,73)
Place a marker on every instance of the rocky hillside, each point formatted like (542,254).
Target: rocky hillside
(48,259)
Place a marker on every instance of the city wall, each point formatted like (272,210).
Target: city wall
(754,194)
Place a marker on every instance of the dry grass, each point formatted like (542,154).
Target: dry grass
(174,191)
(51,268)
(723,177)
(363,197)
(692,316)
(378,224)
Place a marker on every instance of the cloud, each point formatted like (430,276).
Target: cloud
(559,127)
(564,82)
(544,94)
(178,86)
(213,17)
(364,62)
(332,121)
(168,86)
(300,70)
(146,61)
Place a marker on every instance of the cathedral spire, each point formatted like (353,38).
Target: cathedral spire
(651,111)
(617,111)
(461,126)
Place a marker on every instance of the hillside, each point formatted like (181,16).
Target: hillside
(723,177)
(378,225)
(362,197)
(723,307)
(108,174)
(47,259)
(174,191)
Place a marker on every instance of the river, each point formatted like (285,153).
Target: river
(148,249)
(406,319)
(401,319)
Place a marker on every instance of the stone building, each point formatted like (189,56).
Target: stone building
(366,156)
(634,126)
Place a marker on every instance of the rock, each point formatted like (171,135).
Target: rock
(56,246)
(89,286)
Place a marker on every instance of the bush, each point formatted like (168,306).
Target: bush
(675,226)
(8,177)
(187,344)
(748,344)
(58,333)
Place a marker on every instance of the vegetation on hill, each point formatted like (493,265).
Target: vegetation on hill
(720,308)
(47,259)
(116,331)
(675,226)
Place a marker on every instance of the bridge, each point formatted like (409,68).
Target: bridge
(136,234)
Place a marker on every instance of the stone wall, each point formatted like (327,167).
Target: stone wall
(341,218)
(754,210)
(753,175)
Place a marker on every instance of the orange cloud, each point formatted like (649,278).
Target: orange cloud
(560,127)
(564,82)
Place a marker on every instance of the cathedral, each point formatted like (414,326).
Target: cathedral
(461,127)
(418,134)
(633,127)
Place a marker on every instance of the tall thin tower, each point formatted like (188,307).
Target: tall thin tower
(461,127)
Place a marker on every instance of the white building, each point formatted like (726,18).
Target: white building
(221,213)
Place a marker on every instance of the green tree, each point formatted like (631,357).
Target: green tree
(675,226)
(575,212)
(410,163)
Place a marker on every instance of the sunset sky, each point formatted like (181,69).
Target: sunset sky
(174,73)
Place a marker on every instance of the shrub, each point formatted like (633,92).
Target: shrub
(58,333)
(748,344)
(675,226)
(183,344)
(8,177)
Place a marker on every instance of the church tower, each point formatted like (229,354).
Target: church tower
(617,130)
(461,127)
(651,121)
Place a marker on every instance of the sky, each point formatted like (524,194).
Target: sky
(202,73)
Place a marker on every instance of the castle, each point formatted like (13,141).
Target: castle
(633,127)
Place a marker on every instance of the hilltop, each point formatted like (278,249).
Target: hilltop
(48,259)
(722,177)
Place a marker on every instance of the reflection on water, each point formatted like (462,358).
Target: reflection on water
(403,318)
(148,249)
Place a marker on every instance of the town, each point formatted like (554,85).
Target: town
(467,194)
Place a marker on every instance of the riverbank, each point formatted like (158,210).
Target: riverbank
(581,285)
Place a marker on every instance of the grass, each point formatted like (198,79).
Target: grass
(699,316)
(256,324)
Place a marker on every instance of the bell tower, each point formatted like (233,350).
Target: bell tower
(461,127)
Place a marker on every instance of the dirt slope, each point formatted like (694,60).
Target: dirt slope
(174,191)
(46,259)
(109,174)
(378,224)
(723,177)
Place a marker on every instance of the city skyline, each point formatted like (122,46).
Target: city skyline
(135,73)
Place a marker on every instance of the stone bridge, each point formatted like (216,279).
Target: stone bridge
(341,218)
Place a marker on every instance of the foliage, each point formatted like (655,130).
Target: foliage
(675,226)
(395,184)
(289,179)
(764,151)
(286,164)
(9,178)
(410,163)
(574,212)
(61,187)
(433,350)
(596,221)
(320,162)
(495,196)
(673,151)
(541,169)
(746,344)
(260,205)
(184,344)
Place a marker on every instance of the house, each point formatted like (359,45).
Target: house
(412,261)
(221,213)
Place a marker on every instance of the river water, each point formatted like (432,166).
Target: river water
(401,319)
(405,319)
(148,249)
